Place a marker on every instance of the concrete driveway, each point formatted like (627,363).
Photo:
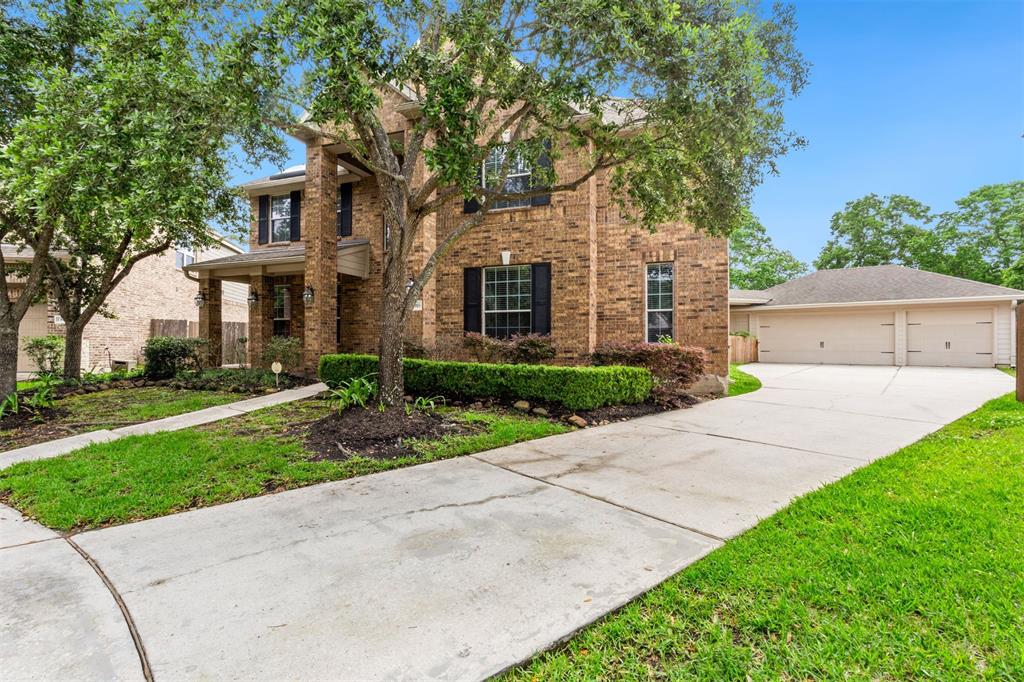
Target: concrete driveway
(458,569)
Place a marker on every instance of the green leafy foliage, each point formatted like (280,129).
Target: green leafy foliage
(674,367)
(356,392)
(755,262)
(982,239)
(167,355)
(530,349)
(47,352)
(577,388)
(119,140)
(284,349)
(10,405)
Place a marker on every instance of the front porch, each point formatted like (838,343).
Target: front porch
(292,293)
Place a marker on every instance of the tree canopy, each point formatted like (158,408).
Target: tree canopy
(981,239)
(755,262)
(678,101)
(125,150)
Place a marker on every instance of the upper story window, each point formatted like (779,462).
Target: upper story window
(519,176)
(659,301)
(183,258)
(280,218)
(508,298)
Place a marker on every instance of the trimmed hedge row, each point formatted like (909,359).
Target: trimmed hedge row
(576,388)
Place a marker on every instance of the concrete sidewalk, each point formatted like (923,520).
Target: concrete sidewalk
(458,569)
(62,446)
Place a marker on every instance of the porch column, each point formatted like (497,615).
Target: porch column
(210,327)
(261,323)
(319,233)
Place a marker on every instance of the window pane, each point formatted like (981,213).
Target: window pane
(658,324)
(507,300)
(282,230)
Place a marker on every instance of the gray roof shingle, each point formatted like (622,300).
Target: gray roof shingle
(877,283)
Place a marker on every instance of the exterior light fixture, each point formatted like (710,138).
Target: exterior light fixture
(200,300)
(408,285)
(253,299)
(308,295)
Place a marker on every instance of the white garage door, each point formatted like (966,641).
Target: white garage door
(953,337)
(33,324)
(828,338)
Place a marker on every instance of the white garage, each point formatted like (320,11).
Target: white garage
(884,315)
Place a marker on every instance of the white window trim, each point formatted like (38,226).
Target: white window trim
(647,309)
(187,258)
(270,218)
(483,181)
(483,296)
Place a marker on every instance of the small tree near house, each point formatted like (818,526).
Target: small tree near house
(678,101)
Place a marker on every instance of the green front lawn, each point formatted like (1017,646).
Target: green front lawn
(111,409)
(141,477)
(911,568)
(1009,370)
(740,382)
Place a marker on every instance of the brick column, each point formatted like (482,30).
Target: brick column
(261,324)
(210,319)
(319,233)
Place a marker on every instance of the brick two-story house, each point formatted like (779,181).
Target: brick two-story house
(565,265)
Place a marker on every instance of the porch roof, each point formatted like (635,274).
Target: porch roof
(353,259)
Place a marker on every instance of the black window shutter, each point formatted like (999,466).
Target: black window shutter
(544,161)
(263,220)
(472,205)
(345,210)
(540,320)
(472,300)
(296,217)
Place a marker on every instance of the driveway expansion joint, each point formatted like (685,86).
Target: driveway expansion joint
(140,649)
(598,498)
(760,442)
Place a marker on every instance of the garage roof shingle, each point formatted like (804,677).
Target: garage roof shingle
(877,283)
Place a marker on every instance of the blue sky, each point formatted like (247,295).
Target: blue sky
(919,98)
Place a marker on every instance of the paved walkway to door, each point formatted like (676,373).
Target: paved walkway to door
(457,569)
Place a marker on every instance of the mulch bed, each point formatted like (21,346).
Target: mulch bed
(376,434)
(597,417)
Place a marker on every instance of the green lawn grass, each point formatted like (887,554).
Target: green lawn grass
(141,477)
(740,382)
(911,568)
(1009,370)
(111,409)
(27,385)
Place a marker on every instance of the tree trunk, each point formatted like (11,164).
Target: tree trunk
(73,351)
(8,356)
(392,334)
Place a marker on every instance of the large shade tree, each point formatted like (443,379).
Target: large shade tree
(981,239)
(754,260)
(127,148)
(679,101)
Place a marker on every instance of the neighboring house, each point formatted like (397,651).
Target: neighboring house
(567,265)
(156,289)
(882,315)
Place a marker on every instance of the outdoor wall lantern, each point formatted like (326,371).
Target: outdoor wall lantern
(200,300)
(308,295)
(253,299)
(408,285)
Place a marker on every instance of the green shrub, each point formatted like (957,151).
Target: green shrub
(284,349)
(529,349)
(47,352)
(229,379)
(576,388)
(675,368)
(167,355)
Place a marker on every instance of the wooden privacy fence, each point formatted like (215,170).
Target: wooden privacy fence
(742,349)
(230,333)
